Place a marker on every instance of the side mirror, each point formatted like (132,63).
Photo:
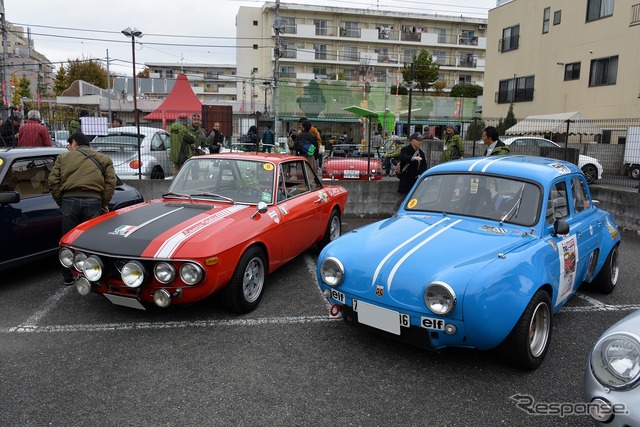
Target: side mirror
(560,226)
(262,208)
(9,197)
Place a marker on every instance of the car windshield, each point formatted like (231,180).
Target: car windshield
(498,198)
(242,181)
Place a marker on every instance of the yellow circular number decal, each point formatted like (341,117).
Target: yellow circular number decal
(268,166)
(412,203)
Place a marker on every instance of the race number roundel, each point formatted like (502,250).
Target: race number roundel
(267,167)
(412,203)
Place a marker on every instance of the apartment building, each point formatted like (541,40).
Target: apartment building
(23,60)
(352,47)
(212,83)
(553,57)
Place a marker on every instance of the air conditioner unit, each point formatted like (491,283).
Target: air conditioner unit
(482,27)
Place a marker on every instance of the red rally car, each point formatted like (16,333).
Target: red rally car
(226,222)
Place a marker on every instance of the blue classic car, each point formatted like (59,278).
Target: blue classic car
(482,253)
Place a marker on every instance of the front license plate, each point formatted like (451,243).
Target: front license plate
(351,173)
(125,301)
(378,317)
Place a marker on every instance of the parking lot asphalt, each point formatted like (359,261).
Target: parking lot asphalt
(67,360)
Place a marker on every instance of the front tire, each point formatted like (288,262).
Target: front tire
(244,291)
(607,279)
(333,230)
(527,344)
(635,172)
(157,173)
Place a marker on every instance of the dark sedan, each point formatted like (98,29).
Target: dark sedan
(30,221)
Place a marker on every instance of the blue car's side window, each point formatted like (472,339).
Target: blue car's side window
(557,203)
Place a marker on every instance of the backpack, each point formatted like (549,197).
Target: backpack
(307,149)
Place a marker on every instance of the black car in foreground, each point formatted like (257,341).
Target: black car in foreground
(30,220)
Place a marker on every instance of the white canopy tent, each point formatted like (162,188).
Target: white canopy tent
(575,122)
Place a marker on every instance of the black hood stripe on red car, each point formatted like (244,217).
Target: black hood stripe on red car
(129,233)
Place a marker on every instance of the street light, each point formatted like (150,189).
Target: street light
(133,33)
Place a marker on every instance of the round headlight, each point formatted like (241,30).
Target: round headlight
(191,273)
(92,268)
(65,255)
(83,286)
(332,271)
(162,298)
(440,298)
(164,272)
(78,260)
(615,360)
(132,274)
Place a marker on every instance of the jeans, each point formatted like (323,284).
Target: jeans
(76,210)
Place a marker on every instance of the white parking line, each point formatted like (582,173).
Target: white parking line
(168,325)
(311,266)
(46,308)
(595,305)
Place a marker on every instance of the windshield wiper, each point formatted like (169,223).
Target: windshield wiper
(171,193)
(514,210)
(209,194)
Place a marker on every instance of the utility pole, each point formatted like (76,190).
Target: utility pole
(277,53)
(253,91)
(411,84)
(109,88)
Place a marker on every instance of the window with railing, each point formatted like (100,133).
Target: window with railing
(439,57)
(572,71)
(350,29)
(517,89)
(468,60)
(408,55)
(288,25)
(467,37)
(510,39)
(604,71)
(350,53)
(289,50)
(321,27)
(320,72)
(442,34)
(384,31)
(411,33)
(288,72)
(383,54)
(320,51)
(598,9)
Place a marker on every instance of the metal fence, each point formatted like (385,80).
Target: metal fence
(613,143)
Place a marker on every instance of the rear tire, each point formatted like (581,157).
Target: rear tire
(635,172)
(527,344)
(244,291)
(606,281)
(157,173)
(334,229)
(591,173)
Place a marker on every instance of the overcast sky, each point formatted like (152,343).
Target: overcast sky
(174,31)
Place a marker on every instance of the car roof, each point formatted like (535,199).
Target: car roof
(540,169)
(13,152)
(144,130)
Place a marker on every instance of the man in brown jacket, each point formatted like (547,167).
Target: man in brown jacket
(82,183)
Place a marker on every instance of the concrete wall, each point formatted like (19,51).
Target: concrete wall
(376,199)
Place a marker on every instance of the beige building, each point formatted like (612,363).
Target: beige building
(331,43)
(553,57)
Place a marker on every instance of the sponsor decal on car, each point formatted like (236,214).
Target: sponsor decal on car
(560,167)
(123,230)
(612,230)
(379,290)
(412,203)
(494,230)
(274,216)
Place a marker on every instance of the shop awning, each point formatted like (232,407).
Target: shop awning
(575,122)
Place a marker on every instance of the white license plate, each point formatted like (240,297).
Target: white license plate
(125,301)
(351,173)
(338,296)
(380,318)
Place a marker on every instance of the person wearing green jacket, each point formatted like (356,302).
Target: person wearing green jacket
(453,145)
(495,147)
(182,143)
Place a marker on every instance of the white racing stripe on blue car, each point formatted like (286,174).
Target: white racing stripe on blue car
(488,162)
(390,254)
(412,251)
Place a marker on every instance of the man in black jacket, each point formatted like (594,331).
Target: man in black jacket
(9,130)
(412,164)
